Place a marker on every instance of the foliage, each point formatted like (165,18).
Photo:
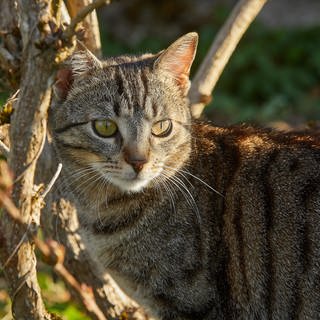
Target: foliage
(56,296)
(273,74)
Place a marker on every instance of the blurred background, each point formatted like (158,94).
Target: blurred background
(272,79)
(274,73)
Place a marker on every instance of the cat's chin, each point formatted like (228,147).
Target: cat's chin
(130,186)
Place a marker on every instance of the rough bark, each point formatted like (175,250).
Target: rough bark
(10,47)
(26,136)
(219,53)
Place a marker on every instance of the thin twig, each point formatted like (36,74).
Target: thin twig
(220,51)
(71,29)
(90,25)
(52,181)
(4,149)
(53,252)
(85,293)
(43,142)
(23,238)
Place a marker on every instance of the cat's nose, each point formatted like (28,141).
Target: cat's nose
(136,163)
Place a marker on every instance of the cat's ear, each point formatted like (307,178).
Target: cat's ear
(79,65)
(176,61)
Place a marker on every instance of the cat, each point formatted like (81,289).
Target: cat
(192,221)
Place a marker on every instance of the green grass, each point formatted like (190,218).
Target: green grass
(3,97)
(57,297)
(54,293)
(273,75)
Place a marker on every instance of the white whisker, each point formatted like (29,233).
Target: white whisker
(195,177)
(185,192)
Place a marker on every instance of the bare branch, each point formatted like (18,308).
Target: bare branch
(79,10)
(91,36)
(27,133)
(52,182)
(4,149)
(220,51)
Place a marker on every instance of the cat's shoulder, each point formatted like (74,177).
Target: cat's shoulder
(248,136)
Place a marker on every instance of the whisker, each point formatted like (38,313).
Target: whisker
(195,177)
(163,183)
(101,196)
(185,192)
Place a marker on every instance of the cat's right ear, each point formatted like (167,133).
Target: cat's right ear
(176,60)
(78,66)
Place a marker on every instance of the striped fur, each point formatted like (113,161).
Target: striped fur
(228,227)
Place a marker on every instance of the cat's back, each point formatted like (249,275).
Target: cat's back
(271,217)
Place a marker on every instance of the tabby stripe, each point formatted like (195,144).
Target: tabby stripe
(69,126)
(269,204)
(307,193)
(154,109)
(126,89)
(117,225)
(144,81)
(230,157)
(116,108)
(120,91)
(71,146)
(237,220)
(306,249)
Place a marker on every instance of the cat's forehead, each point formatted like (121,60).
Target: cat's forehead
(125,88)
(135,89)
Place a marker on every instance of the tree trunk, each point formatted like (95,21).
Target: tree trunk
(27,131)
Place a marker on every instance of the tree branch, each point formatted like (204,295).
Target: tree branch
(83,11)
(26,138)
(52,252)
(4,149)
(220,51)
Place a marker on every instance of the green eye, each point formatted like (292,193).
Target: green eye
(105,128)
(162,128)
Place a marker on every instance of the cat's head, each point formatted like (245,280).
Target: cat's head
(125,121)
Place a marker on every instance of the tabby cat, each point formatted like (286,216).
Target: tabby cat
(192,221)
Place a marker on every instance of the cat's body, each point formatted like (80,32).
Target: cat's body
(192,221)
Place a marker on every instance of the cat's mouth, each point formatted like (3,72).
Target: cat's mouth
(134,184)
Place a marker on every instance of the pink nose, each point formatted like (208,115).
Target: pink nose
(136,163)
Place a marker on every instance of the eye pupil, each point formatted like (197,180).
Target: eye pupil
(105,128)
(162,128)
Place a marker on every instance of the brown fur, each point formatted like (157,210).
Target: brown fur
(232,232)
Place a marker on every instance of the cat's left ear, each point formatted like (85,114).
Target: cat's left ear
(176,61)
(78,66)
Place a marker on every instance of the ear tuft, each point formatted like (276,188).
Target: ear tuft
(83,62)
(80,64)
(63,83)
(176,61)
